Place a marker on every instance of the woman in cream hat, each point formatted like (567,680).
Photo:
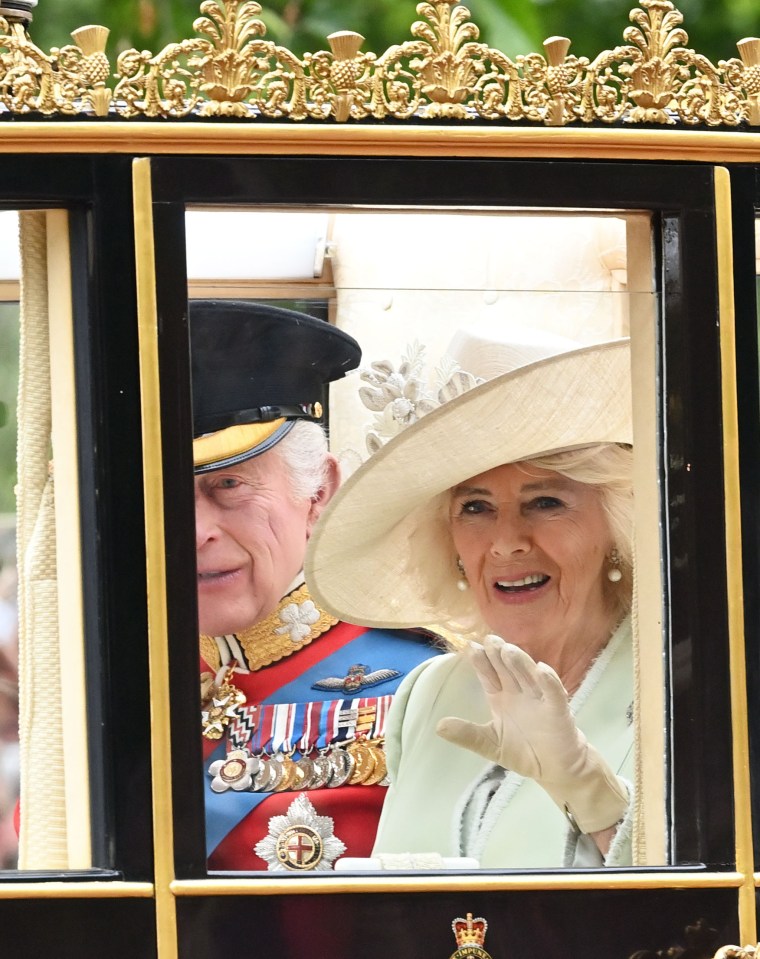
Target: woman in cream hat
(504,515)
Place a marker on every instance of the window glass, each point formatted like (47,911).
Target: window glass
(9,748)
(41,632)
(438,301)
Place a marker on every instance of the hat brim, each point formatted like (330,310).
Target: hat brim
(236,444)
(366,535)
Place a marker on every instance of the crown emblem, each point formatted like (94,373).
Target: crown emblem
(470,935)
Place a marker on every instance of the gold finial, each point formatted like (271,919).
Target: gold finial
(655,70)
(556,50)
(227,64)
(345,71)
(749,51)
(94,68)
(447,71)
(91,40)
(558,77)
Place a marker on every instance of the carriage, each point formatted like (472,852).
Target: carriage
(390,193)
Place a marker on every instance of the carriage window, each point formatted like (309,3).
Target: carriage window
(295,697)
(9,339)
(41,648)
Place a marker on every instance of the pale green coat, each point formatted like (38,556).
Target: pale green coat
(432,780)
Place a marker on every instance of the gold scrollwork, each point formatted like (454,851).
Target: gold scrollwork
(229,71)
(444,71)
(69,81)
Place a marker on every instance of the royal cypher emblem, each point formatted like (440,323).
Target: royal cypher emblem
(470,935)
(356,678)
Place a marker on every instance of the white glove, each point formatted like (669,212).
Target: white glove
(533,733)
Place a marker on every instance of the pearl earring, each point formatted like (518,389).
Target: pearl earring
(462,583)
(614,574)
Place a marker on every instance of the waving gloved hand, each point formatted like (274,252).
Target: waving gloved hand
(533,733)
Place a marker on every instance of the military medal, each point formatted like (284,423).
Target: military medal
(222,700)
(305,773)
(266,776)
(341,765)
(236,771)
(310,717)
(300,841)
(380,769)
(322,771)
(284,747)
(289,773)
(277,774)
(318,737)
(363,755)
(364,762)
(243,729)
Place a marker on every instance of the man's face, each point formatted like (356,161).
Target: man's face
(251,535)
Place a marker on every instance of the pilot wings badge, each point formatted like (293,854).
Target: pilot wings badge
(356,678)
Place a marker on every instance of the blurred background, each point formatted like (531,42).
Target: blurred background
(513,26)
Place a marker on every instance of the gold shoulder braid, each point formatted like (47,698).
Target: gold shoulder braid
(294,624)
(210,653)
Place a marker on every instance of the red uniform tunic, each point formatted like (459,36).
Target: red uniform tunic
(328,694)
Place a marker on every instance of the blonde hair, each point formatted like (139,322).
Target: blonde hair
(607,467)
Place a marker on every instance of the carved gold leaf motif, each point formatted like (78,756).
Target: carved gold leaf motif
(442,71)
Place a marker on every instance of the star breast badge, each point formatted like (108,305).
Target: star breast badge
(300,841)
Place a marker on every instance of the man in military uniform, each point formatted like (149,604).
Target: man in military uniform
(294,702)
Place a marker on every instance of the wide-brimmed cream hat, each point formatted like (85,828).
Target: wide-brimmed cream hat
(365,562)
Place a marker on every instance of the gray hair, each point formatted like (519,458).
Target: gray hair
(608,467)
(304,453)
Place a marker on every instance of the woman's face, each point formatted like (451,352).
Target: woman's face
(535,547)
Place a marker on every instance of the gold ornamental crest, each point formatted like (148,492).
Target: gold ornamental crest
(442,70)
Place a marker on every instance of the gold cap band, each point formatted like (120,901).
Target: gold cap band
(231,442)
